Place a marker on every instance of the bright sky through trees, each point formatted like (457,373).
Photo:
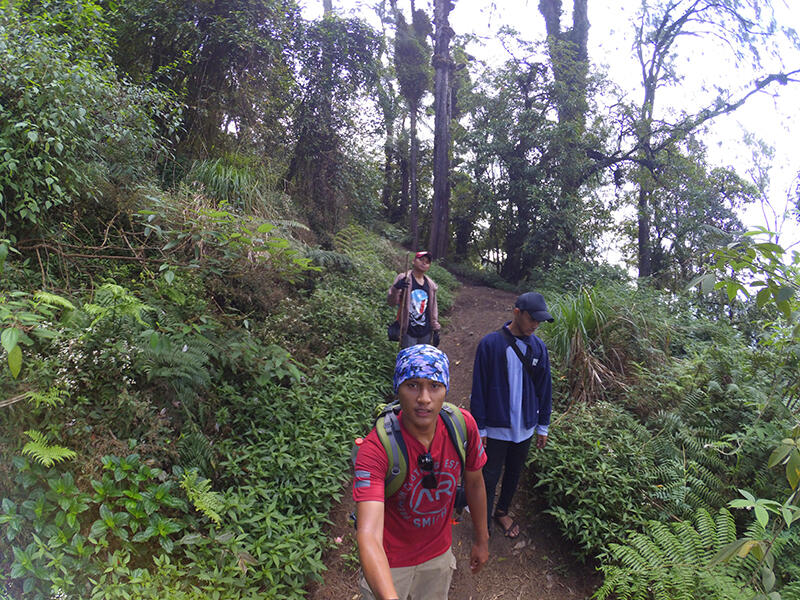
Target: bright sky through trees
(772,117)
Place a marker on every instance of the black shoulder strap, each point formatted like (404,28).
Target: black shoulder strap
(512,341)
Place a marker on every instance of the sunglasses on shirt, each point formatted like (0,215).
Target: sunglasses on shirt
(425,463)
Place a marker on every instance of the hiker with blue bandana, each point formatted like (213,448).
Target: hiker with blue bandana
(404,537)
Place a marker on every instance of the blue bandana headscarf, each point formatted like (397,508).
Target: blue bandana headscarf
(422,362)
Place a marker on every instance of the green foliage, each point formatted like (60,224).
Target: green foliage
(280,491)
(690,473)
(22,314)
(246,185)
(114,302)
(197,454)
(763,265)
(69,126)
(61,536)
(331,261)
(596,475)
(337,66)
(412,57)
(200,494)
(599,333)
(230,64)
(43,453)
(670,562)
(219,241)
(529,225)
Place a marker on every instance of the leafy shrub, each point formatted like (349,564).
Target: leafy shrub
(595,474)
(288,458)
(60,535)
(448,285)
(69,125)
(487,277)
(22,314)
(242,182)
(671,561)
(571,276)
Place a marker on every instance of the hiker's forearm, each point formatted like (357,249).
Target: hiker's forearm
(374,563)
(476,499)
(375,566)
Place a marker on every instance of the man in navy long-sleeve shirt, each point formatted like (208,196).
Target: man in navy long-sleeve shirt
(511,402)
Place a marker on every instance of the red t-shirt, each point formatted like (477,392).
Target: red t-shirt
(416,521)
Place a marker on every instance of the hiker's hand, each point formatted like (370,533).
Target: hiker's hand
(479,556)
(541,440)
(401,284)
(436,338)
(483,441)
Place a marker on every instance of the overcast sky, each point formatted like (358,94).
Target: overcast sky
(775,118)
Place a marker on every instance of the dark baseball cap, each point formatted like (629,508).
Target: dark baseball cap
(533,303)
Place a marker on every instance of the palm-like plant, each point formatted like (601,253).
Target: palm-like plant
(577,336)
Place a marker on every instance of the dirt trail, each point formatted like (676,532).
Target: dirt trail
(537,564)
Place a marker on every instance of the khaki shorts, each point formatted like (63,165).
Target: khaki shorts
(426,581)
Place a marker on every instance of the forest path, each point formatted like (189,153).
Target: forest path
(537,564)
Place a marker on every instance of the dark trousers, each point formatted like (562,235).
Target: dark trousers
(500,453)
(413,341)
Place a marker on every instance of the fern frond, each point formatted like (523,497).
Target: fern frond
(181,361)
(114,301)
(198,491)
(332,261)
(43,453)
(705,527)
(725,528)
(669,562)
(53,397)
(53,300)
(196,452)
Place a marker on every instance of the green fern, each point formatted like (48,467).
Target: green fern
(196,452)
(114,301)
(671,562)
(42,452)
(690,472)
(359,243)
(50,299)
(182,361)
(206,501)
(53,397)
(331,261)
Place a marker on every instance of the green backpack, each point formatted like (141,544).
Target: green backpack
(387,425)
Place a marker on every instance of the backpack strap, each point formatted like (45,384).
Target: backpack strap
(457,430)
(512,341)
(388,429)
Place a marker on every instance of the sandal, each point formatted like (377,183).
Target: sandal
(512,531)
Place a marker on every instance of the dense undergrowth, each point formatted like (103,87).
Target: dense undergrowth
(183,366)
(177,451)
(666,422)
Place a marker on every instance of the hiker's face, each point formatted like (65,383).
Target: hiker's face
(423,263)
(524,322)
(421,401)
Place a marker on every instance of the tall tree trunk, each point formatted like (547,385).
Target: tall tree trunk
(388,171)
(569,58)
(443,66)
(405,184)
(412,173)
(643,233)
